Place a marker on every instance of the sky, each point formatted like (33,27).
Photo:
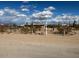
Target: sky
(61,6)
(25,10)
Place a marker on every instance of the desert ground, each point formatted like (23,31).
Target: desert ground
(39,46)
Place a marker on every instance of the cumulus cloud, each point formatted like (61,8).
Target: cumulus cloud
(10,12)
(21,15)
(64,17)
(45,14)
(24,8)
(1,13)
(50,8)
(67,18)
(8,15)
(12,15)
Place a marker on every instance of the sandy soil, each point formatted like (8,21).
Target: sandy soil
(31,45)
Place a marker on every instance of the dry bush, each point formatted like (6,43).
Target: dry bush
(24,30)
(61,29)
(3,29)
(76,27)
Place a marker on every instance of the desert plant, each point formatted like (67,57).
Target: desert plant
(64,29)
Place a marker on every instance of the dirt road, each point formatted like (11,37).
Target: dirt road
(21,45)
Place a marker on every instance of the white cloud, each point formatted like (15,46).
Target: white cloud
(50,8)
(8,15)
(43,15)
(64,17)
(11,12)
(24,8)
(22,15)
(67,18)
(1,13)
(8,11)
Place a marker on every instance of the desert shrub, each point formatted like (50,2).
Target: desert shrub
(61,29)
(24,30)
(76,27)
(3,29)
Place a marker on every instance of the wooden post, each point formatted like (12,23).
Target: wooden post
(64,32)
(46,27)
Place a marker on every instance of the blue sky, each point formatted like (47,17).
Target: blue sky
(66,7)
(61,6)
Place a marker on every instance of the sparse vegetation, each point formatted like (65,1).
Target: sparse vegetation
(37,28)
